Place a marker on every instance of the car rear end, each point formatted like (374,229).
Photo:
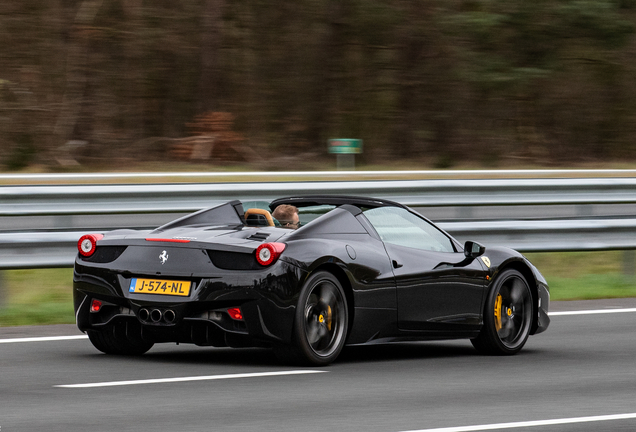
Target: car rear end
(208,287)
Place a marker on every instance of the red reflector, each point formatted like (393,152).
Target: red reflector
(235,313)
(96,305)
(268,253)
(172,240)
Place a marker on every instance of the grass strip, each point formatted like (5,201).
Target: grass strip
(38,296)
(44,296)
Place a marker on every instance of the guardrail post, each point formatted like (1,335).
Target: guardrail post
(345,162)
(3,290)
(628,262)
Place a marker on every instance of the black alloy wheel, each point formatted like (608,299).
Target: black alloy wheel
(507,316)
(322,318)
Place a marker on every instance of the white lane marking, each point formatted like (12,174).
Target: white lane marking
(43,339)
(531,423)
(592,312)
(191,378)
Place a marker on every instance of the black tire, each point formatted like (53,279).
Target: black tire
(507,316)
(119,340)
(321,322)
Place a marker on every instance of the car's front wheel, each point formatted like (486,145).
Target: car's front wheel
(321,320)
(119,340)
(507,315)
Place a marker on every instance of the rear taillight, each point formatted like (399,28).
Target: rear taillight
(268,253)
(88,243)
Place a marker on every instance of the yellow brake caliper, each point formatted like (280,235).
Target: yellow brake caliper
(329,318)
(498,312)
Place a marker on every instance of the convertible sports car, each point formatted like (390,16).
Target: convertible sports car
(358,270)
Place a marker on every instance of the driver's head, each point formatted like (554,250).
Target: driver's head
(287,215)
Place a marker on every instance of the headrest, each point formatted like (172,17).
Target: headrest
(258,217)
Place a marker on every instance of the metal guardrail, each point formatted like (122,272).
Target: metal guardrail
(58,249)
(538,226)
(166,198)
(38,250)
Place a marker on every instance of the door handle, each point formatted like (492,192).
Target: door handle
(397,264)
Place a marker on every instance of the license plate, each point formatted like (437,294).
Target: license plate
(159,286)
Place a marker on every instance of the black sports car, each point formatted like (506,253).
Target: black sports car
(358,270)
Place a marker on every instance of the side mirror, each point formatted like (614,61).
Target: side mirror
(473,249)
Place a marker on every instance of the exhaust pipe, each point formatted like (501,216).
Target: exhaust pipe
(169,316)
(144,314)
(156,315)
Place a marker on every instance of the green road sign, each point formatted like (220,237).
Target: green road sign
(345,146)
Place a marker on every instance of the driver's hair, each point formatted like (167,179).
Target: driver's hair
(284,213)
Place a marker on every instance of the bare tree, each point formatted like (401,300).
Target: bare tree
(76,73)
(212,29)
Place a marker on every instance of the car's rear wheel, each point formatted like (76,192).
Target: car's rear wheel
(120,340)
(321,320)
(507,316)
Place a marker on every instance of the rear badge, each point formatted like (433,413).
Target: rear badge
(163,257)
(486,261)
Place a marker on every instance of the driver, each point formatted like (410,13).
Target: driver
(287,215)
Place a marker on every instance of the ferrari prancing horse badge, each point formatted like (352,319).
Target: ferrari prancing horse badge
(163,257)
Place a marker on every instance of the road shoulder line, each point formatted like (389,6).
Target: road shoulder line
(524,424)
(592,312)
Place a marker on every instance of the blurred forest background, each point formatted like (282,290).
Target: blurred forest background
(111,83)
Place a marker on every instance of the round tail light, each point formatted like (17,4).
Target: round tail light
(268,253)
(88,243)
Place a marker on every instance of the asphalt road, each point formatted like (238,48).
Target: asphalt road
(583,366)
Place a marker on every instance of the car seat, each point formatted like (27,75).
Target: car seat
(258,217)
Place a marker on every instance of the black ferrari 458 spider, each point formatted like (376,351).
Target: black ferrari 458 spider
(357,270)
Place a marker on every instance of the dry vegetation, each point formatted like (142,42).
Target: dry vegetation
(106,83)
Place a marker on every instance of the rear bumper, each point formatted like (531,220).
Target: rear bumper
(266,299)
